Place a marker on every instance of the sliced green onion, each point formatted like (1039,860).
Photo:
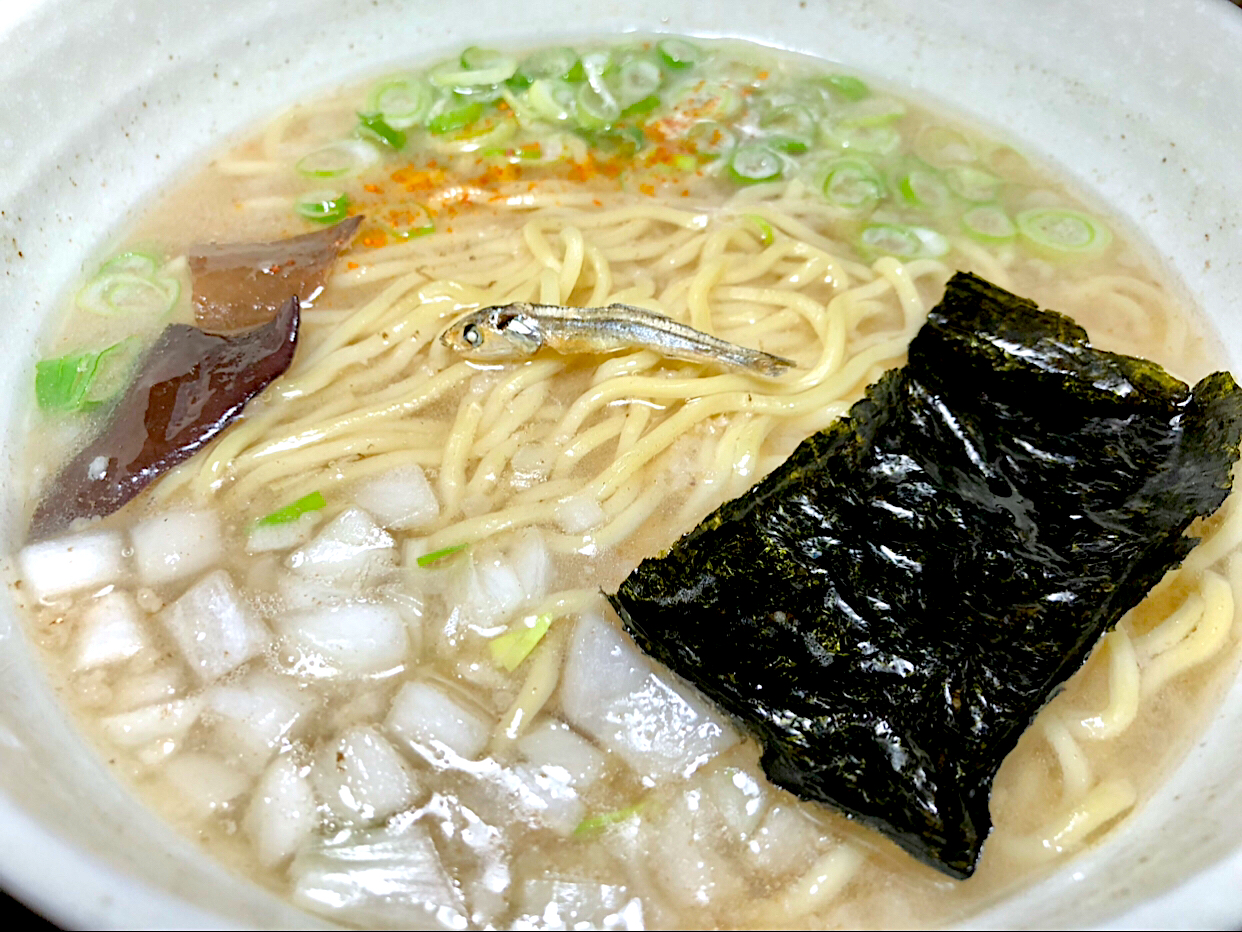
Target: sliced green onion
(490,68)
(552,99)
(641,107)
(113,294)
(546,63)
(904,242)
(853,183)
(427,559)
(922,188)
(1059,231)
(848,87)
(450,121)
(593,825)
(941,147)
(323,206)
(338,160)
(596,109)
(972,184)
(290,513)
(763,229)
(710,101)
(402,101)
(80,381)
(637,79)
(515,645)
(407,220)
(753,162)
(989,224)
(678,53)
(141,264)
(374,126)
(620,140)
(790,145)
(710,140)
(873,112)
(490,132)
(873,140)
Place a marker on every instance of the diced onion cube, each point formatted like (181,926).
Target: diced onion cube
(424,717)
(214,628)
(176,545)
(111,630)
(58,567)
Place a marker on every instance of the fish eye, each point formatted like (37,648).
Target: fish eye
(470,333)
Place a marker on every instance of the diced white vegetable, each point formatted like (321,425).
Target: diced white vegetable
(165,721)
(558,749)
(785,841)
(111,630)
(423,716)
(562,903)
(254,716)
(740,798)
(282,812)
(204,783)
(362,777)
(351,549)
(579,513)
(67,564)
(175,545)
(532,563)
(489,587)
(609,692)
(686,864)
(401,498)
(267,537)
(387,878)
(546,796)
(162,684)
(216,631)
(352,638)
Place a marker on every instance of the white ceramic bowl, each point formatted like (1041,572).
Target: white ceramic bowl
(102,103)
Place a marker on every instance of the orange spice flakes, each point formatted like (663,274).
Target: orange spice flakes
(373,239)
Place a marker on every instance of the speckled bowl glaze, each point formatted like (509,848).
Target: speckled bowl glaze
(103,103)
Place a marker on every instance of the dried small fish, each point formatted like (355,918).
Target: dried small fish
(511,331)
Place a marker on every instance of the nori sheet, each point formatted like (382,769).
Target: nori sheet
(887,611)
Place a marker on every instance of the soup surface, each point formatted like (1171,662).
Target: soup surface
(357,645)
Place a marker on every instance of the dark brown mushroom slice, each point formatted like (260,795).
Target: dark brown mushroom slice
(242,285)
(189,386)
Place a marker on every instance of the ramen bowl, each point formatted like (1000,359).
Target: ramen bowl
(104,104)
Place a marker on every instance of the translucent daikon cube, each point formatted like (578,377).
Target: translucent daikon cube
(110,630)
(424,716)
(58,567)
(282,812)
(401,498)
(175,545)
(361,777)
(214,628)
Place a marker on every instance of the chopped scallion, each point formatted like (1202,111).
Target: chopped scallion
(989,224)
(402,101)
(374,126)
(515,645)
(407,220)
(972,184)
(290,513)
(593,825)
(678,53)
(80,381)
(904,242)
(597,109)
(922,188)
(546,63)
(754,162)
(117,291)
(338,159)
(427,559)
(323,206)
(710,140)
(853,183)
(1058,231)
(848,87)
(762,229)
(488,67)
(449,121)
(552,99)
